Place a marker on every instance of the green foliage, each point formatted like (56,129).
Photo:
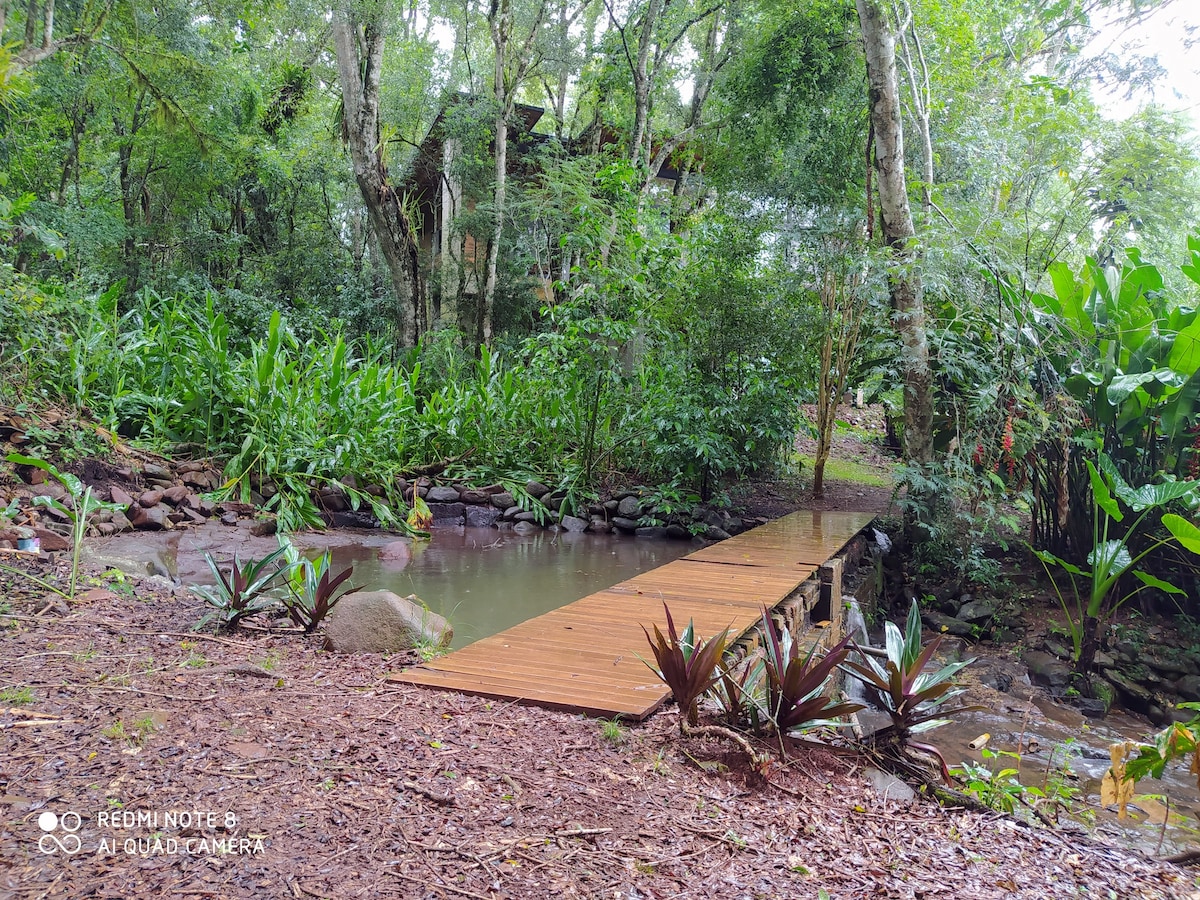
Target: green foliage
(81,505)
(795,685)
(687,664)
(313,589)
(242,592)
(1112,556)
(914,698)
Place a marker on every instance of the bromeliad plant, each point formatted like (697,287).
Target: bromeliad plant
(687,664)
(914,698)
(795,684)
(242,592)
(312,587)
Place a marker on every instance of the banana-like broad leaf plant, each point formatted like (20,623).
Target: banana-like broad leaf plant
(915,699)
(1110,559)
(687,664)
(796,684)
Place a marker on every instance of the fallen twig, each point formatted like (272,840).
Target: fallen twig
(440,799)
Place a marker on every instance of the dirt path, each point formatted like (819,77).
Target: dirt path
(327,782)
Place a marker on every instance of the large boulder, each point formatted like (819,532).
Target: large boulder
(383,622)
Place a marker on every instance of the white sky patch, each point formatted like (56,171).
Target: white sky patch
(1172,35)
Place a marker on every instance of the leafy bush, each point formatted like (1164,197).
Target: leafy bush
(242,592)
(688,665)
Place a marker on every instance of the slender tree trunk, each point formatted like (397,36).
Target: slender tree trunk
(30,23)
(359,48)
(639,155)
(500,21)
(898,231)
(3,17)
(48,24)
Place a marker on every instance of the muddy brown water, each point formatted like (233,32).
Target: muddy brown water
(481,579)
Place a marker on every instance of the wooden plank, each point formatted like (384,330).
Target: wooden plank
(583,657)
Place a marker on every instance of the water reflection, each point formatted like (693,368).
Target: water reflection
(484,581)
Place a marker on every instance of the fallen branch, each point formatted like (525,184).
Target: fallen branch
(720,731)
(440,799)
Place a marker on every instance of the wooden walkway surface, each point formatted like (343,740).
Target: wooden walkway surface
(584,657)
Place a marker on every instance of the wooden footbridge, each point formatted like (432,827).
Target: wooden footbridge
(584,657)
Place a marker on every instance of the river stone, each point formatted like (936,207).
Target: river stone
(447,512)
(600,524)
(1046,669)
(978,611)
(442,494)
(1172,666)
(150,498)
(503,500)
(473,496)
(678,532)
(383,622)
(511,513)
(175,495)
(153,518)
(525,528)
(1188,687)
(481,516)
(629,508)
(536,489)
(653,532)
(152,470)
(51,541)
(525,515)
(1137,697)
(120,497)
(944,624)
(201,480)
(575,524)
(121,522)
(716,533)
(624,524)
(611,506)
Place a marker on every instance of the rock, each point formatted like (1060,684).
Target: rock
(653,532)
(889,787)
(977,611)
(396,551)
(473,496)
(1046,669)
(503,500)
(1093,708)
(51,541)
(1134,696)
(999,681)
(383,622)
(526,515)
(375,490)
(1188,687)
(150,498)
(1104,661)
(601,525)
(106,529)
(354,518)
(525,528)
(1172,665)
(121,522)
(447,513)
(611,506)
(332,499)
(575,524)
(176,494)
(553,502)
(678,532)
(1057,649)
(944,624)
(264,527)
(734,525)
(199,480)
(480,516)
(229,518)
(152,470)
(442,494)
(175,516)
(350,481)
(536,489)
(716,533)
(152,518)
(511,513)
(629,508)
(492,489)
(190,466)
(119,496)
(623,524)
(193,516)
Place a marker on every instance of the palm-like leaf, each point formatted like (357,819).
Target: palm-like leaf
(240,592)
(318,593)
(687,665)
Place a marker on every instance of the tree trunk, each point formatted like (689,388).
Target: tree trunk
(30,23)
(48,25)
(500,20)
(898,231)
(359,48)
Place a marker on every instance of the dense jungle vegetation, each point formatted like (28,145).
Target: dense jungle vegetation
(315,240)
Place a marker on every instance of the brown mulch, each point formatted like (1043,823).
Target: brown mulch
(339,784)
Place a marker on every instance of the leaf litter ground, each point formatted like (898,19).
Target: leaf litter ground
(340,785)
